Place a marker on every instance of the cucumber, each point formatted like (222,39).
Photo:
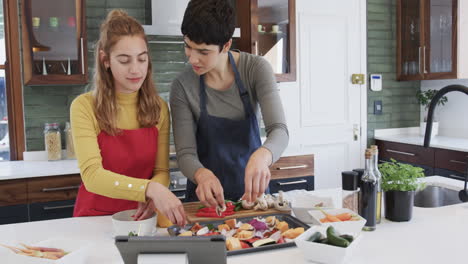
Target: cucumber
(335,239)
(350,238)
(315,237)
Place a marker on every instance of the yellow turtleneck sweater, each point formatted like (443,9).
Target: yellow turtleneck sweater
(85,132)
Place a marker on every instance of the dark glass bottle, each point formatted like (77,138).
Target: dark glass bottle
(368,195)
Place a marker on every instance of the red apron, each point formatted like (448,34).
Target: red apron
(131,153)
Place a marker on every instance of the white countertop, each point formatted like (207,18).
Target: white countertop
(411,136)
(30,169)
(434,235)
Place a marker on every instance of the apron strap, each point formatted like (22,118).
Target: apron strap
(248,109)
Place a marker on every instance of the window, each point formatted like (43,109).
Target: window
(4,139)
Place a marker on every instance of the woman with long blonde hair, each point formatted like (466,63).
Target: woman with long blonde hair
(121,130)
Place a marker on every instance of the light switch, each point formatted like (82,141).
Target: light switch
(378,107)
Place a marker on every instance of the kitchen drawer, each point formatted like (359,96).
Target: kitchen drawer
(13,192)
(450,174)
(405,152)
(292,167)
(51,210)
(56,188)
(451,160)
(288,184)
(14,214)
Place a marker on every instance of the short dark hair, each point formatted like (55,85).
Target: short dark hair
(209,21)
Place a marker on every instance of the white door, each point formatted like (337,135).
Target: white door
(330,119)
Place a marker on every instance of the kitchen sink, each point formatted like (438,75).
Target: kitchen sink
(436,196)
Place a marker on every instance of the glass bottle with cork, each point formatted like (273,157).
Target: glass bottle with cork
(368,195)
(350,193)
(52,141)
(378,175)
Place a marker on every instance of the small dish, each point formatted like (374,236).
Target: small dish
(324,253)
(303,203)
(353,227)
(123,224)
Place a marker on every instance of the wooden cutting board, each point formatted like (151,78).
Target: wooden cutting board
(192,208)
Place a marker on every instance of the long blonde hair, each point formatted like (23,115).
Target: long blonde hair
(119,24)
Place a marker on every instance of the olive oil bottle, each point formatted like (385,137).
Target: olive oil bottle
(368,195)
(378,175)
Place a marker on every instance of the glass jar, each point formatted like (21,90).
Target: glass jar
(350,193)
(69,141)
(53,141)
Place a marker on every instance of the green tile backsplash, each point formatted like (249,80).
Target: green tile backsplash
(400,107)
(52,103)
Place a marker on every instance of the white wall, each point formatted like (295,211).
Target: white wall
(453,120)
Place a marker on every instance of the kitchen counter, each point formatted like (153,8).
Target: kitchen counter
(30,169)
(434,235)
(411,136)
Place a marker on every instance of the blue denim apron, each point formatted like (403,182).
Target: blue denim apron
(224,146)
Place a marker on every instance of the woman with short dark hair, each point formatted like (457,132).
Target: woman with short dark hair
(215,105)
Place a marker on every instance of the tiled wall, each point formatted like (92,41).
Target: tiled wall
(400,107)
(51,103)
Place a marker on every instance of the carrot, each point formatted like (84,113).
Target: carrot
(324,220)
(344,216)
(330,217)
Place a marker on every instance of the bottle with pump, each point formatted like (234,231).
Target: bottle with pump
(368,195)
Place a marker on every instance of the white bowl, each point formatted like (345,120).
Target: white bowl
(301,204)
(123,224)
(324,253)
(347,227)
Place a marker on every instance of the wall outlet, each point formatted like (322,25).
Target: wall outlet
(378,107)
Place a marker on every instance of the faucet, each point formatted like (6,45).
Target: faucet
(463,194)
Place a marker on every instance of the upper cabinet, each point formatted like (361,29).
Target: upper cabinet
(431,35)
(268,29)
(54,42)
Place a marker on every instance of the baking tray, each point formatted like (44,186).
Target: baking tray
(292,221)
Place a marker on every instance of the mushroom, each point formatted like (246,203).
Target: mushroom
(247,205)
(281,204)
(270,200)
(261,203)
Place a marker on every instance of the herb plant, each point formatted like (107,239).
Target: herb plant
(398,176)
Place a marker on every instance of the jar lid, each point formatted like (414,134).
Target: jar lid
(51,125)
(349,180)
(360,173)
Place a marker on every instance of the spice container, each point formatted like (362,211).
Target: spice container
(53,141)
(69,141)
(350,180)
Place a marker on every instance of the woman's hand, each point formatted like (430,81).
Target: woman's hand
(257,174)
(144,211)
(166,202)
(209,190)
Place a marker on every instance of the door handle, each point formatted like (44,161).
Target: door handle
(58,207)
(355,132)
(456,161)
(66,188)
(292,167)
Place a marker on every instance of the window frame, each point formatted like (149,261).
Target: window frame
(13,84)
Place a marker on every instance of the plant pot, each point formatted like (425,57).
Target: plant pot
(399,205)
(435,129)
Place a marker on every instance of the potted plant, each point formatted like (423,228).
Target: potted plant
(425,98)
(399,183)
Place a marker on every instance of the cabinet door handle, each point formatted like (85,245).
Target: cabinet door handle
(58,207)
(456,176)
(457,161)
(66,188)
(291,183)
(401,152)
(424,60)
(292,167)
(82,57)
(181,197)
(419,57)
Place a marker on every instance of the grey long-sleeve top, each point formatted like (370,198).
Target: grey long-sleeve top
(259,80)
